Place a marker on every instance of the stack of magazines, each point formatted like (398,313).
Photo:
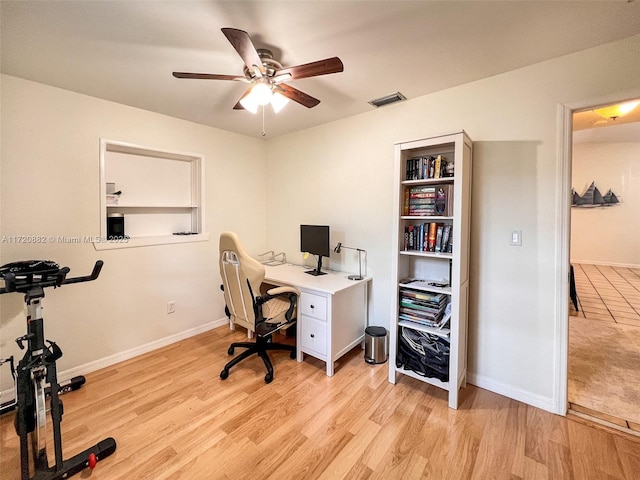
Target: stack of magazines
(424,308)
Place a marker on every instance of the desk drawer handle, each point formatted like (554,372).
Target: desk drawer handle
(312,336)
(312,306)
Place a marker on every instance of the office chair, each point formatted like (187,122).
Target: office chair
(265,314)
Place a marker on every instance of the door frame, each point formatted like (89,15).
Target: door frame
(563,236)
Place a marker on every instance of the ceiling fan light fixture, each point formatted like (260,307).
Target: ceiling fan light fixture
(619,110)
(278,101)
(262,93)
(249,103)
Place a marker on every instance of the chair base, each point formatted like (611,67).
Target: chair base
(260,347)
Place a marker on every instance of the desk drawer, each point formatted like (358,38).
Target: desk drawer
(313,306)
(314,335)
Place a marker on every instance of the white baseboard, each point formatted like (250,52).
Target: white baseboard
(524,396)
(8,395)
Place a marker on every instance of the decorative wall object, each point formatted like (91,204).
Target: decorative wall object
(593,198)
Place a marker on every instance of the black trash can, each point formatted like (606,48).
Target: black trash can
(376,348)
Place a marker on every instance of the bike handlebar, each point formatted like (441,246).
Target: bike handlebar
(87,278)
(23,276)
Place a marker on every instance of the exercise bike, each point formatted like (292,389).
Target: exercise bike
(36,378)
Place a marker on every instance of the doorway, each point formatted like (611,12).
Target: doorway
(603,328)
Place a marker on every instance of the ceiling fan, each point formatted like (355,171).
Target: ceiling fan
(266,75)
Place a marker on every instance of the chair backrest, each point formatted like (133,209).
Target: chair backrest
(242,276)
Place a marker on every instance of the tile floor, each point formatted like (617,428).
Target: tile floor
(604,345)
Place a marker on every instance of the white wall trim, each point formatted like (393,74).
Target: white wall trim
(562,244)
(563,237)
(515,393)
(9,395)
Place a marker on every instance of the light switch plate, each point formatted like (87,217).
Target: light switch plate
(516,238)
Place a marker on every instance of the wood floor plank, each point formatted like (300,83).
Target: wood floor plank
(348,461)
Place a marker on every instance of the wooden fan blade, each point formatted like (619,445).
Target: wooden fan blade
(241,41)
(207,76)
(297,96)
(313,69)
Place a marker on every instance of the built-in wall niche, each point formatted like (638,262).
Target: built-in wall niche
(159,195)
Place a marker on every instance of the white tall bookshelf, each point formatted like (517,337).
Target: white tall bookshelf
(448,270)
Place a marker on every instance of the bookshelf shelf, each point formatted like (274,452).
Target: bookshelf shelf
(417,253)
(424,286)
(431,260)
(429,181)
(428,218)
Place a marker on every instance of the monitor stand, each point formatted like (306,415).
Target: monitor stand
(318,271)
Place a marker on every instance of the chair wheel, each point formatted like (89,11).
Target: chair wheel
(230,351)
(268,378)
(224,374)
(292,354)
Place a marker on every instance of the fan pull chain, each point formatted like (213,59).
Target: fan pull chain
(263,130)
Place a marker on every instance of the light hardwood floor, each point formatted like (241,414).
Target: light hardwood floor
(172,417)
(604,345)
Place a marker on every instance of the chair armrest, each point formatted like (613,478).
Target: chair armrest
(290,293)
(281,290)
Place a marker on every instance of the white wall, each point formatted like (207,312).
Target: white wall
(341,174)
(50,187)
(607,235)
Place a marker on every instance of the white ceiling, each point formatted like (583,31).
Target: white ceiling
(125,51)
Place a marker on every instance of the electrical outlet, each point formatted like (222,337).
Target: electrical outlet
(171,307)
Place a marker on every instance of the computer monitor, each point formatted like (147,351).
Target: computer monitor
(314,239)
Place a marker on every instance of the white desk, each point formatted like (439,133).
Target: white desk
(332,311)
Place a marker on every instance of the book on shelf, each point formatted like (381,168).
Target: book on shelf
(433,228)
(439,229)
(422,192)
(444,200)
(428,237)
(406,202)
(423,201)
(426,167)
(446,235)
(437,166)
(433,200)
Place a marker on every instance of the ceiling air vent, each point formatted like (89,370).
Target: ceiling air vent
(388,99)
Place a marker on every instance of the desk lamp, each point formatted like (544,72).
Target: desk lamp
(339,247)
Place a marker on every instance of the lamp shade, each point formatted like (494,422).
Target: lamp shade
(262,93)
(278,101)
(249,103)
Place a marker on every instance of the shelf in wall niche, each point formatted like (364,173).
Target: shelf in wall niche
(159,193)
(150,240)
